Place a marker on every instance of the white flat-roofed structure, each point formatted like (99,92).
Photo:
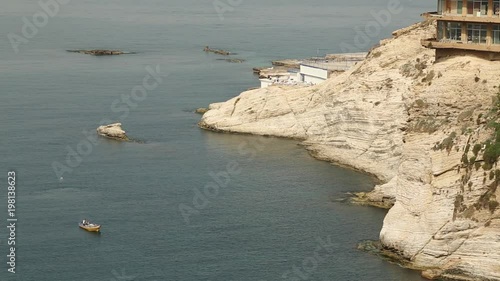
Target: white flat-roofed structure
(315,71)
(264,83)
(311,74)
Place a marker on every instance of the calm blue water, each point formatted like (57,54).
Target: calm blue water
(264,223)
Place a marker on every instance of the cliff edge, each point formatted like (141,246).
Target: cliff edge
(426,129)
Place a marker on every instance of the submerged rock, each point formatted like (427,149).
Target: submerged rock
(113,131)
(234,60)
(216,51)
(99,52)
(201,110)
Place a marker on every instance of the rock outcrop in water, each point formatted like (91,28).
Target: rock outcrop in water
(234,60)
(216,51)
(113,131)
(425,128)
(223,53)
(99,52)
(201,110)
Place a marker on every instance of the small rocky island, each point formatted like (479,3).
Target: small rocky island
(207,49)
(99,52)
(113,131)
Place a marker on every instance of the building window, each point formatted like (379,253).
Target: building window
(454,31)
(496,34)
(477,8)
(449,7)
(441,27)
(476,33)
(449,31)
(456,7)
(496,8)
(440,7)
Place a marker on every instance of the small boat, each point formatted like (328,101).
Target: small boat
(85,224)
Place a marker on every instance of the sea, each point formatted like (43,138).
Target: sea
(176,202)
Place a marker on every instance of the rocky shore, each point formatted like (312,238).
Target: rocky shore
(426,129)
(279,68)
(287,63)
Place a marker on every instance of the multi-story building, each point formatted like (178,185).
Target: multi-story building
(466,27)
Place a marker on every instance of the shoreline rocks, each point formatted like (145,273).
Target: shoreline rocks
(201,110)
(112,131)
(432,274)
(376,248)
(288,63)
(272,71)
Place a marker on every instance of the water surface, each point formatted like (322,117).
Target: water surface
(264,223)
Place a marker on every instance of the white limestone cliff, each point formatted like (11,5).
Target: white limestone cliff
(409,121)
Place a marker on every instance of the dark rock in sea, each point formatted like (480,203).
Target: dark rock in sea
(257,70)
(234,60)
(99,52)
(216,51)
(376,248)
(201,110)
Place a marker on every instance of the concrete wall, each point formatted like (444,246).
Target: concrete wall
(312,74)
(264,83)
(313,80)
(313,71)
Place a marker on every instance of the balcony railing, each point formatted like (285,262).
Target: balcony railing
(456,44)
(481,18)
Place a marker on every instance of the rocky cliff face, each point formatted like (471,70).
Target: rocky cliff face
(420,126)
